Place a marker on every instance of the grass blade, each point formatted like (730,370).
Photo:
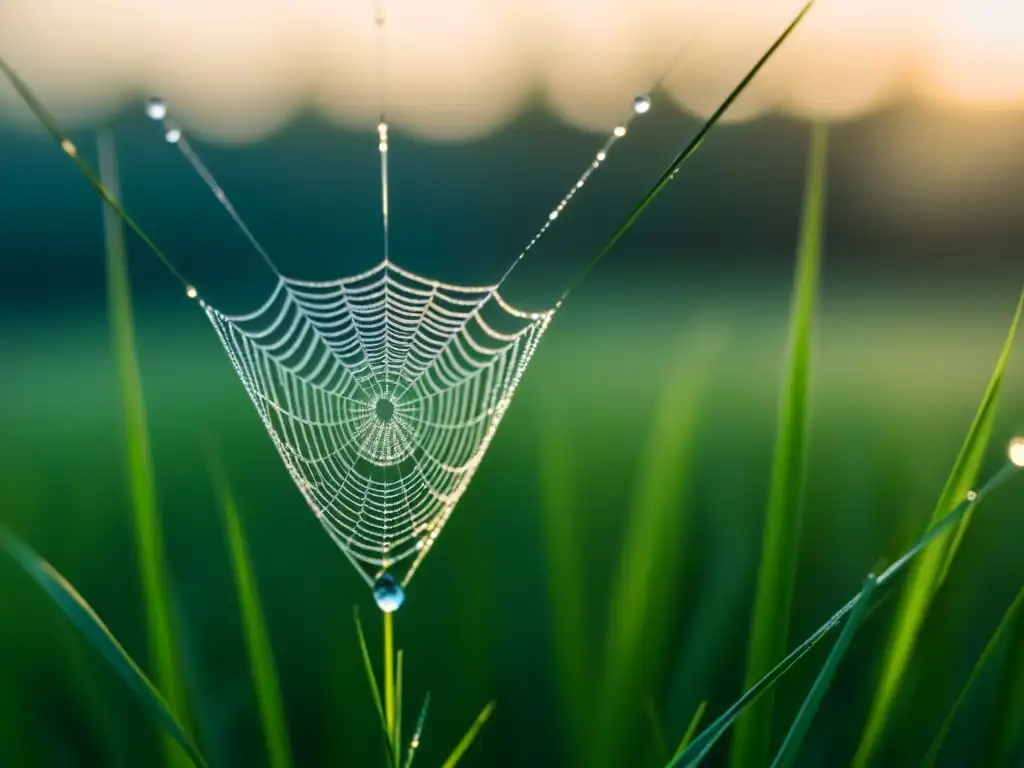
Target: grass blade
(649,578)
(1006,735)
(657,732)
(929,572)
(95,631)
(781,537)
(786,756)
(148,527)
(560,518)
(257,638)
(398,705)
(691,729)
(1007,621)
(374,688)
(700,746)
(688,151)
(467,740)
(414,744)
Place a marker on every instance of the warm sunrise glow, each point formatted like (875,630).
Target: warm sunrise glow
(239,69)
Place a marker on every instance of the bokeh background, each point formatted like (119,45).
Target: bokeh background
(662,371)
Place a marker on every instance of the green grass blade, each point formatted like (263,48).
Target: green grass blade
(688,151)
(374,688)
(700,746)
(414,743)
(1006,734)
(254,625)
(649,578)
(560,518)
(467,740)
(398,705)
(148,527)
(769,628)
(95,631)
(691,729)
(786,756)
(1007,621)
(930,570)
(657,732)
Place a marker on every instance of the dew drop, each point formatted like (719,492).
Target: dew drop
(620,131)
(642,104)
(1016,451)
(156,108)
(601,156)
(172,134)
(972,495)
(388,593)
(553,215)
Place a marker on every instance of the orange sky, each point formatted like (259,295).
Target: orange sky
(238,69)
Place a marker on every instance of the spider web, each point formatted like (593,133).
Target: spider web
(381,392)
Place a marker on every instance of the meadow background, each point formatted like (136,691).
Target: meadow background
(637,451)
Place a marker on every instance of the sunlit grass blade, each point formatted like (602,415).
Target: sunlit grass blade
(560,518)
(930,570)
(691,729)
(398,706)
(703,744)
(769,628)
(649,577)
(148,527)
(787,753)
(374,688)
(254,625)
(414,743)
(1007,621)
(1006,734)
(673,168)
(471,734)
(657,732)
(95,631)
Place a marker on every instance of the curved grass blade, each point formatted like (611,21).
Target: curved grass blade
(89,624)
(769,628)
(650,572)
(163,653)
(1005,737)
(257,639)
(929,572)
(374,688)
(414,744)
(657,732)
(786,756)
(993,642)
(691,729)
(690,148)
(467,740)
(700,746)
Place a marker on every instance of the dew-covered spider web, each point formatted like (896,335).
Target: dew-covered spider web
(382,391)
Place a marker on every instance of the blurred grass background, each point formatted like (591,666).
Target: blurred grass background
(894,393)
(598,577)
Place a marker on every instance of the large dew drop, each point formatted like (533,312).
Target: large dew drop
(156,108)
(642,104)
(388,593)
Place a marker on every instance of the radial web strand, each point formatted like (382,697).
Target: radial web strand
(381,393)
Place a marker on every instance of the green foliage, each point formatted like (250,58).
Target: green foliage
(470,737)
(148,528)
(1008,620)
(95,631)
(780,546)
(930,571)
(254,625)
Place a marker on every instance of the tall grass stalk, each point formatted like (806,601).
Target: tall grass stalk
(1006,734)
(769,630)
(928,573)
(703,744)
(1008,620)
(148,528)
(648,583)
(567,598)
(254,626)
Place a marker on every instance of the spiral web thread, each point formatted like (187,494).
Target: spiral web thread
(381,392)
